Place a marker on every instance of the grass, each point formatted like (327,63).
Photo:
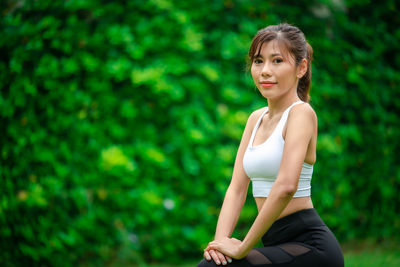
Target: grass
(367,254)
(372,258)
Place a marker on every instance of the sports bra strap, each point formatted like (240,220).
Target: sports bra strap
(253,133)
(280,125)
(285,115)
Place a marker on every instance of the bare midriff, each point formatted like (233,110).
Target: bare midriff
(296,204)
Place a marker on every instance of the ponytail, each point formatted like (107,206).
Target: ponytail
(305,82)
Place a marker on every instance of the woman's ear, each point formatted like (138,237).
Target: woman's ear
(302,68)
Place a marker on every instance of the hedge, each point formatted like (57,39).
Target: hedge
(121,120)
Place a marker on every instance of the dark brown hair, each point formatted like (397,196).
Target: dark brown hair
(294,41)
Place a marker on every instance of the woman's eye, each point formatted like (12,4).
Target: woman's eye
(257,61)
(277,60)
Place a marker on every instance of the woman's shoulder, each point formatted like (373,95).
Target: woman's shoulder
(255,115)
(303,111)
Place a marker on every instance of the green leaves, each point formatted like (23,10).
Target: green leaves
(121,123)
(114,157)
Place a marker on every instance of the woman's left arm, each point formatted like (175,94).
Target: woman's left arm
(301,126)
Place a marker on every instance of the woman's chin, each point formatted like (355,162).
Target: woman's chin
(266,93)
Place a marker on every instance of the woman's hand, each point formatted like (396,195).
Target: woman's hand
(217,256)
(228,246)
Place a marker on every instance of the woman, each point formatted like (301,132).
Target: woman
(277,153)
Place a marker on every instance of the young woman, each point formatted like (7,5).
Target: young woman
(277,153)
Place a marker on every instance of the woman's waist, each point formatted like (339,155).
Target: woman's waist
(296,204)
(293,226)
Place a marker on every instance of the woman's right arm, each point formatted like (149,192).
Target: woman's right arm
(236,193)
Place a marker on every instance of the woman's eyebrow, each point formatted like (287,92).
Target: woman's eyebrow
(276,54)
(271,55)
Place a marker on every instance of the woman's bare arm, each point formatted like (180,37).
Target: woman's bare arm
(236,193)
(301,126)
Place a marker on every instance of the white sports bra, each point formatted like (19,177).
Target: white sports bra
(262,162)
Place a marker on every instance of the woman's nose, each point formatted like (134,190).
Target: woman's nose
(266,71)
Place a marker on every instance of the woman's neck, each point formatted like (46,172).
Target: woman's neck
(279,105)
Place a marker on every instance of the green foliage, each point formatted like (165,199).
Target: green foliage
(377,256)
(121,120)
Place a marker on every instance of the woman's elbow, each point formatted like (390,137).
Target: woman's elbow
(287,189)
(233,192)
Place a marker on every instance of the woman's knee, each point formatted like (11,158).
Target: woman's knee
(205,263)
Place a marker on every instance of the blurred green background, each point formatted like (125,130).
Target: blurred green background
(120,122)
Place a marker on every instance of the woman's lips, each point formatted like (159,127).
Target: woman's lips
(267,84)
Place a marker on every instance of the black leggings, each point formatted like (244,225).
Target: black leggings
(299,239)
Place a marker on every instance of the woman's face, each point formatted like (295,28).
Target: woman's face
(274,72)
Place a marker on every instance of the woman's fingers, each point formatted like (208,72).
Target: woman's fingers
(218,257)
(229,259)
(207,255)
(214,256)
(222,258)
(211,252)
(214,245)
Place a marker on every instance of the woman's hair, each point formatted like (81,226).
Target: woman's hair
(293,39)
